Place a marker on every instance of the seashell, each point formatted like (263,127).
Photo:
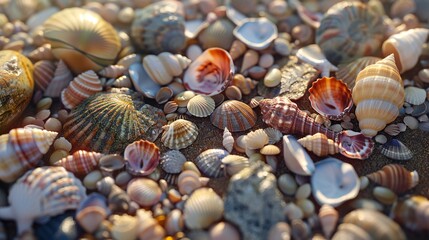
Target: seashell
(266,60)
(238,48)
(246,85)
(234,115)
(144,191)
(202,208)
(330,97)
(319,144)
(406,47)
(96,50)
(111,164)
(415,96)
(164,66)
(395,177)
(273,78)
(401,8)
(183,98)
(392,129)
(61,79)
(312,54)
(148,226)
(128,120)
(174,222)
(334,182)
(170,107)
(411,212)
(328,218)
(256,139)
(91,212)
(280,231)
(163,95)
(172,161)
(124,227)
(43,52)
(210,164)
(188,181)
(22,149)
(411,122)
(375,109)
(380,139)
(20,9)
(210,73)
(274,135)
(122,82)
(250,59)
(256,33)
(201,106)
(113,71)
(179,134)
(141,157)
(83,86)
(217,34)
(396,150)
(233,93)
(43,73)
(130,59)
(159,27)
(234,164)
(296,158)
(300,229)
(228,140)
(354,145)
(52,190)
(81,162)
(287,184)
(254,102)
(349,71)
(224,230)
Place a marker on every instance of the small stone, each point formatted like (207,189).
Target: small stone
(266,60)
(347,118)
(43,114)
(336,127)
(62,115)
(44,103)
(53,124)
(306,206)
(282,46)
(292,211)
(303,191)
(384,195)
(364,181)
(423,118)
(381,139)
(411,122)
(287,184)
(57,155)
(28,120)
(402,127)
(90,180)
(347,125)
(123,178)
(424,75)
(273,77)
(62,144)
(409,110)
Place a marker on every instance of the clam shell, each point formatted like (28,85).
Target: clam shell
(274,135)
(328,218)
(92,211)
(319,144)
(179,134)
(234,164)
(172,161)
(217,34)
(43,73)
(392,129)
(61,80)
(111,165)
(164,66)
(81,162)
(228,140)
(201,106)
(144,191)
(83,86)
(296,158)
(234,115)
(141,157)
(43,52)
(395,177)
(415,96)
(237,49)
(396,150)
(256,33)
(256,139)
(209,162)
(349,71)
(188,181)
(202,208)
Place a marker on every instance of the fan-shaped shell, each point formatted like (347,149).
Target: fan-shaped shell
(217,34)
(319,144)
(228,140)
(396,150)
(61,79)
(163,67)
(354,145)
(256,33)
(42,192)
(91,127)
(141,157)
(349,71)
(414,95)
(330,98)
(188,181)
(43,73)
(234,115)
(81,162)
(82,39)
(256,139)
(20,9)
(22,149)
(395,177)
(209,162)
(201,106)
(328,218)
(159,27)
(376,108)
(172,161)
(92,211)
(202,208)
(144,191)
(349,30)
(179,134)
(210,73)
(82,87)
(274,135)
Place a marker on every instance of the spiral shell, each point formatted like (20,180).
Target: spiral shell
(81,162)
(209,162)
(144,191)
(172,161)
(328,218)
(82,39)
(234,115)
(22,149)
(319,144)
(395,177)
(141,157)
(349,71)
(61,79)
(43,73)
(83,86)
(164,66)
(202,208)
(201,106)
(411,212)
(92,211)
(179,134)
(375,109)
(112,71)
(228,140)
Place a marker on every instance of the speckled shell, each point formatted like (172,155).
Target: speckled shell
(376,108)
(43,73)
(330,97)
(179,134)
(328,218)
(396,150)
(92,211)
(83,86)
(201,106)
(61,79)
(16,86)
(159,27)
(80,162)
(349,30)
(209,162)
(319,144)
(141,157)
(349,71)
(395,177)
(164,66)
(144,191)
(411,212)
(22,149)
(217,34)
(82,39)
(42,192)
(128,120)
(202,208)
(234,115)
(172,161)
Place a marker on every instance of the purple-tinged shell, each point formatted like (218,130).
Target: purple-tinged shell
(141,158)
(355,145)
(396,150)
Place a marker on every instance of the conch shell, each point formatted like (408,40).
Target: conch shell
(165,66)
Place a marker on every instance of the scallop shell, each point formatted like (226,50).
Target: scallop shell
(201,106)
(170,107)
(90,127)
(51,191)
(209,162)
(234,115)
(349,71)
(82,39)
(113,71)
(354,145)
(396,150)
(83,86)
(188,181)
(43,52)
(43,73)
(256,33)
(296,158)
(246,85)
(61,80)
(217,34)
(228,140)
(256,139)
(22,149)
(92,211)
(20,9)
(411,212)
(159,27)
(164,66)
(179,134)
(274,135)
(341,45)
(375,109)
(406,47)
(319,144)
(234,164)
(172,161)
(210,73)
(144,191)
(328,218)
(141,157)
(330,97)
(237,49)
(81,162)
(414,95)
(202,208)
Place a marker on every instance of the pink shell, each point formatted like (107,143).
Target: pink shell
(210,73)
(355,145)
(330,98)
(141,157)
(82,87)
(81,162)
(61,79)
(43,73)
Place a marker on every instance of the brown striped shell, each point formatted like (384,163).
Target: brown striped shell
(328,217)
(234,115)
(141,157)
(179,134)
(395,177)
(80,162)
(83,86)
(210,164)
(319,144)
(202,208)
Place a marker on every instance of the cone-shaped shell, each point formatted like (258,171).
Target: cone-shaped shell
(201,106)
(22,149)
(328,218)
(202,208)
(163,67)
(144,191)
(179,134)
(349,71)
(61,79)
(395,177)
(237,49)
(81,162)
(234,115)
(378,94)
(82,39)
(43,73)
(141,157)
(92,211)
(406,46)
(209,162)
(83,86)
(228,140)
(250,59)
(319,144)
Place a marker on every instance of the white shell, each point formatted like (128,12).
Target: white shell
(256,33)
(256,139)
(188,181)
(296,158)
(414,95)
(234,164)
(274,135)
(165,66)
(203,208)
(228,140)
(201,106)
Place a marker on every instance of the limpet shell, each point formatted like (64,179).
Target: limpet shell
(209,162)
(179,134)
(172,161)
(141,157)
(201,106)
(202,208)
(144,191)
(234,115)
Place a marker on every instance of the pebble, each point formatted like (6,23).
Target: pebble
(123,178)
(44,103)
(126,15)
(282,46)
(306,206)
(364,181)
(411,122)
(62,115)
(336,127)
(43,114)
(384,195)
(380,138)
(90,180)
(233,93)
(424,75)
(266,60)
(292,211)
(273,77)
(28,120)
(53,124)
(303,191)
(347,125)
(287,184)
(57,155)
(347,118)
(409,110)
(62,144)
(423,118)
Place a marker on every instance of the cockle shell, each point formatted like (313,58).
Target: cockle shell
(83,86)
(349,30)
(296,158)
(217,34)
(411,212)
(202,208)
(144,191)
(61,79)
(234,115)
(395,177)
(396,150)
(92,211)
(406,46)
(414,95)
(172,161)
(81,162)
(188,181)
(375,109)
(319,144)
(43,73)
(22,149)
(82,39)
(42,192)
(274,135)
(228,140)
(349,71)
(328,218)
(43,52)
(256,139)
(141,157)
(209,162)
(159,27)
(201,106)
(179,134)
(354,145)
(210,73)
(256,33)
(164,66)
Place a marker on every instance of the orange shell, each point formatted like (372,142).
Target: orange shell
(395,177)
(319,144)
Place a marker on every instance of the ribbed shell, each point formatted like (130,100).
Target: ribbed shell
(61,80)
(256,139)
(396,150)
(209,162)
(234,164)
(172,161)
(202,208)
(274,135)
(43,52)
(201,106)
(22,149)
(188,181)
(141,157)
(108,122)
(319,144)
(82,39)
(43,73)
(354,145)
(328,218)
(349,71)
(378,95)
(228,140)
(80,162)
(179,134)
(395,177)
(164,66)
(144,191)
(234,115)
(83,86)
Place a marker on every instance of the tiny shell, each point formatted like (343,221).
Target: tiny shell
(270,150)
(256,33)
(392,129)
(172,161)
(209,162)
(296,158)
(411,122)
(141,157)
(81,162)
(201,106)
(396,150)
(112,71)
(256,139)
(111,164)
(91,212)
(61,79)
(43,52)
(250,59)
(234,164)
(246,85)
(174,222)
(395,177)
(144,191)
(163,67)
(354,145)
(319,144)
(217,34)
(124,227)
(202,208)
(179,134)
(228,140)
(188,181)
(233,93)
(82,87)
(163,95)
(328,217)
(234,115)
(312,54)
(274,135)
(183,98)
(415,96)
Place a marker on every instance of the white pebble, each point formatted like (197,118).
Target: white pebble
(380,139)
(423,118)
(287,184)
(411,122)
(90,180)
(303,191)
(62,144)
(364,181)
(306,206)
